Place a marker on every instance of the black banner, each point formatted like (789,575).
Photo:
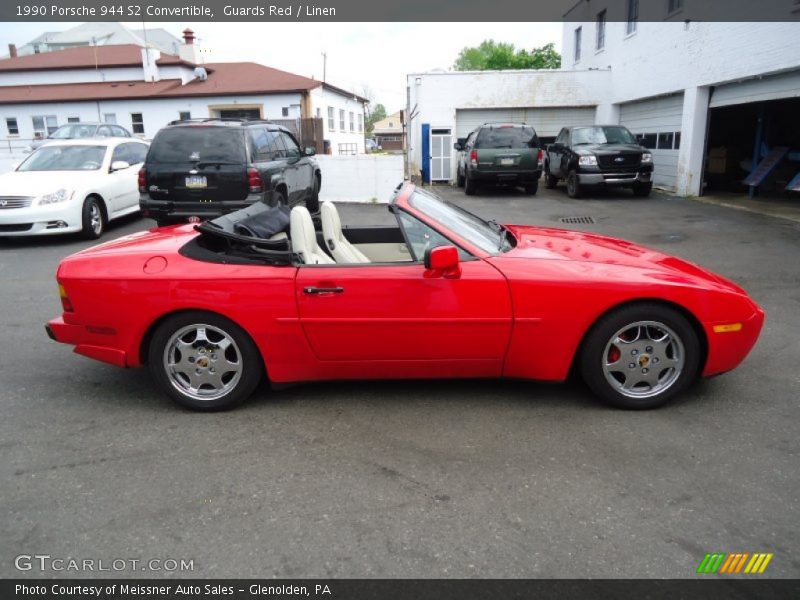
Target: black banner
(407,10)
(386,589)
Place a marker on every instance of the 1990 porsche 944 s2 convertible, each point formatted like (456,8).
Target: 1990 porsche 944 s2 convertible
(213,308)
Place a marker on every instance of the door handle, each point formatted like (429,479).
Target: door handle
(328,290)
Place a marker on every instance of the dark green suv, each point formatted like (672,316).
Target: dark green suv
(500,153)
(209,167)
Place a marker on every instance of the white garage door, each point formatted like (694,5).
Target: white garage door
(658,122)
(785,85)
(546,121)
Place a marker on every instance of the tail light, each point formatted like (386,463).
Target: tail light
(142,180)
(66,303)
(473,158)
(540,155)
(254,181)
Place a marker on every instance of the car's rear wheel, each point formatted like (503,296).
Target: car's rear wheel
(642,190)
(640,356)
(204,361)
(279,196)
(532,188)
(92,219)
(550,181)
(573,185)
(469,185)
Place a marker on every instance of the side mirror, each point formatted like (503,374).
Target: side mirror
(311,151)
(442,261)
(118,165)
(458,146)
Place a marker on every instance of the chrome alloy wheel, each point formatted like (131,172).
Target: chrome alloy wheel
(202,362)
(95,219)
(643,359)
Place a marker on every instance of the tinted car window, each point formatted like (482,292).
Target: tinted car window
(178,145)
(506,137)
(292,148)
(265,146)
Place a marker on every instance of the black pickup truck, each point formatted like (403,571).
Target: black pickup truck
(599,155)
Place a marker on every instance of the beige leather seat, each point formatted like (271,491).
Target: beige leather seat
(304,239)
(343,251)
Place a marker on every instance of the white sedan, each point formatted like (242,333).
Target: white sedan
(72,186)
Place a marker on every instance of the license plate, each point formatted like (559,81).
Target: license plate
(196,181)
(506,161)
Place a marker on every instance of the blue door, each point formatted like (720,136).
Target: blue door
(426,153)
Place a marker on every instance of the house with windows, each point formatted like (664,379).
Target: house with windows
(712,100)
(389,132)
(143,89)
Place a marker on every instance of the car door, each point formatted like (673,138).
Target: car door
(400,315)
(134,154)
(296,165)
(557,152)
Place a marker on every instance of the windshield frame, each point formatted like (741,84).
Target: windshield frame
(496,239)
(50,147)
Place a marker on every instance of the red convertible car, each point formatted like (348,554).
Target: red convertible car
(212,309)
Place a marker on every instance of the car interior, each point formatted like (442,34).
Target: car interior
(261,234)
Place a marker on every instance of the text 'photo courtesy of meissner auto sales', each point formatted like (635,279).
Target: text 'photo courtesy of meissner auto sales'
(362,300)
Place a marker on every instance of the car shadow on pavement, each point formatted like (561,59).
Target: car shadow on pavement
(70,238)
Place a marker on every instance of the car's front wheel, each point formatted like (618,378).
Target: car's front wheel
(312,203)
(92,220)
(640,356)
(642,190)
(550,181)
(573,185)
(204,361)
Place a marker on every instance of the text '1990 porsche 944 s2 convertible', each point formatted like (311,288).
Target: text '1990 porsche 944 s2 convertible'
(213,308)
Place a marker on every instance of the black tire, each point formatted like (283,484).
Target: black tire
(550,181)
(243,350)
(93,220)
(469,185)
(162,221)
(532,188)
(279,196)
(573,185)
(312,203)
(459,178)
(599,348)
(642,190)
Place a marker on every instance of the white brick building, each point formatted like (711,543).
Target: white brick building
(709,98)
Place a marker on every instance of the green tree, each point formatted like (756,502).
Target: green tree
(495,56)
(376,114)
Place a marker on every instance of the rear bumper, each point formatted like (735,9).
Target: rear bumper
(168,209)
(86,343)
(518,177)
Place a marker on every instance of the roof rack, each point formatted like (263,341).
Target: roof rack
(240,120)
(520,123)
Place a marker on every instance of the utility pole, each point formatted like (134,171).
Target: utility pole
(324,66)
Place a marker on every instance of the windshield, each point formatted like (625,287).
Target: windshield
(602,135)
(489,237)
(506,136)
(65,158)
(71,132)
(198,144)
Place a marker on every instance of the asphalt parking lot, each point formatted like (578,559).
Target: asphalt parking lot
(413,479)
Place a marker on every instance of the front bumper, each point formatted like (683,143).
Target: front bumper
(611,178)
(34,220)
(86,342)
(726,350)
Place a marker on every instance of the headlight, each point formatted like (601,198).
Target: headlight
(587,161)
(647,157)
(57,196)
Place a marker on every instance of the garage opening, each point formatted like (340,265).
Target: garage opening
(758,138)
(240,113)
